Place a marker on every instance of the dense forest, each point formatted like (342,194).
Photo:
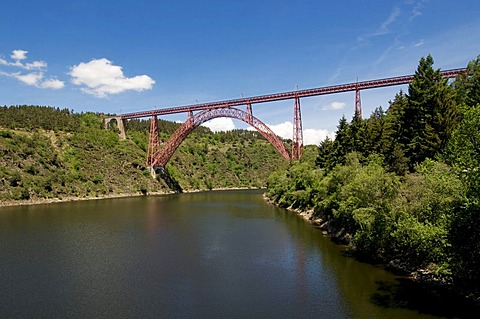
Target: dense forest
(402,186)
(49,153)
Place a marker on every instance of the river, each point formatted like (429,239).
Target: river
(221,254)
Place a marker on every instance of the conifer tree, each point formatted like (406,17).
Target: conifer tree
(394,138)
(430,114)
(372,133)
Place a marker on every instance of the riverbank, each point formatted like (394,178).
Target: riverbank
(40,201)
(425,278)
(340,236)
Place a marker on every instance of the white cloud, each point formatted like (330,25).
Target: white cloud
(418,43)
(52,84)
(337,105)
(384,27)
(32,78)
(19,55)
(284,130)
(220,124)
(310,136)
(35,65)
(417,9)
(100,78)
(315,136)
(334,106)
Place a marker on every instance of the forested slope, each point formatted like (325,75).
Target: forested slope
(48,153)
(403,185)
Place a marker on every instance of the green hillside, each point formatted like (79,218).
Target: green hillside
(49,154)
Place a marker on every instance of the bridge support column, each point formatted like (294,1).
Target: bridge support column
(297,140)
(358,103)
(156,170)
(249,113)
(153,144)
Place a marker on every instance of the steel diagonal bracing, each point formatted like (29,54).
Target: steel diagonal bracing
(193,121)
(153,142)
(297,141)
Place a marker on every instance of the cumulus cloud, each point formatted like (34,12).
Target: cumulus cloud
(284,130)
(315,136)
(335,106)
(30,78)
(52,84)
(220,124)
(310,136)
(34,78)
(19,55)
(101,78)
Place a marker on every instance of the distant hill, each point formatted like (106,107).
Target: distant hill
(49,153)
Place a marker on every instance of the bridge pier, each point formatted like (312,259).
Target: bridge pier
(163,173)
(297,139)
(108,122)
(358,103)
(156,170)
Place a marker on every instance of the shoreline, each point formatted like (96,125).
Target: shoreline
(41,201)
(420,276)
(340,236)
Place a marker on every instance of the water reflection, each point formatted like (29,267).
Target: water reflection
(215,254)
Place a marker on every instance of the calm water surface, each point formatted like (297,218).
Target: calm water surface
(203,255)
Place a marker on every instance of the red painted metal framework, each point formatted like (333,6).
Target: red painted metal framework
(194,121)
(154,143)
(297,140)
(286,95)
(160,158)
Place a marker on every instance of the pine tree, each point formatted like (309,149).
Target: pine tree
(325,158)
(394,138)
(372,133)
(430,114)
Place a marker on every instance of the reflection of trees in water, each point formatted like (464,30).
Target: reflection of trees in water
(368,290)
(405,293)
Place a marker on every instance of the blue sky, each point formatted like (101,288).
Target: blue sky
(125,56)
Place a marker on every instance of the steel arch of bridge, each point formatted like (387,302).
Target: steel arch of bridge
(193,121)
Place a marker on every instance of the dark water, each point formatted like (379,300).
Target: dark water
(203,255)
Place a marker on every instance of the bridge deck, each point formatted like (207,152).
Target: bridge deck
(286,95)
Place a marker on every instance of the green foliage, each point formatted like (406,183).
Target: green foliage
(430,115)
(296,187)
(467,86)
(91,161)
(238,158)
(426,205)
(463,151)
(416,126)
(36,117)
(382,181)
(465,239)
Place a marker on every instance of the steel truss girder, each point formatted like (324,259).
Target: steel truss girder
(356,86)
(197,119)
